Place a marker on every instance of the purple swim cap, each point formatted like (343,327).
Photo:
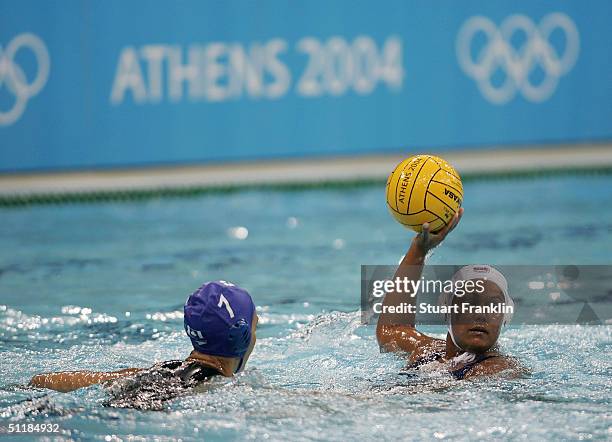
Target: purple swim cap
(218,319)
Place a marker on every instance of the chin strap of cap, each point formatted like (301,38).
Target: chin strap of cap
(450,332)
(239,366)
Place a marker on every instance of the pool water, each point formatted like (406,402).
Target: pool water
(101,287)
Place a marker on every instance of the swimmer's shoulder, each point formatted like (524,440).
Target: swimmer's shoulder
(498,364)
(185,370)
(188,370)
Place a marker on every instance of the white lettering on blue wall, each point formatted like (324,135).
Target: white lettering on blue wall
(221,71)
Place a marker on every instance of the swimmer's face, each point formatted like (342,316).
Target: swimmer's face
(253,340)
(475,331)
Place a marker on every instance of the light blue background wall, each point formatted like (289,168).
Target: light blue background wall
(423,98)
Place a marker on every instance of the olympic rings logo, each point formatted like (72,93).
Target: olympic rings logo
(517,64)
(13,76)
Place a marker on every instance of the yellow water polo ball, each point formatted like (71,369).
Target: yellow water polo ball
(424,189)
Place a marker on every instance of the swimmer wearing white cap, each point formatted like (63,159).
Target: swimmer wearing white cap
(470,348)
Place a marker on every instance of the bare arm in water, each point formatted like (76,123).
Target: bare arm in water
(65,381)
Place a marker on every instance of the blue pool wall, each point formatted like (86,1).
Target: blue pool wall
(92,84)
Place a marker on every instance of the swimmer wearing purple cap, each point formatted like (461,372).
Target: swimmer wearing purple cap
(470,347)
(220,320)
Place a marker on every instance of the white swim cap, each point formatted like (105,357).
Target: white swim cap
(479,271)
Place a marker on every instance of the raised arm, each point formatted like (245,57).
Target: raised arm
(65,381)
(396,332)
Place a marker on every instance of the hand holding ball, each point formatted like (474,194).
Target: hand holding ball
(424,189)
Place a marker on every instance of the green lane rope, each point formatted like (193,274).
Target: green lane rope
(16,200)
